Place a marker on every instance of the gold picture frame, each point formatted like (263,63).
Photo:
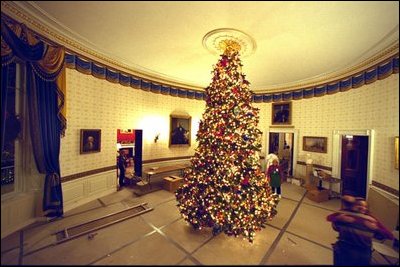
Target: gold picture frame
(315,144)
(90,141)
(281,113)
(180,130)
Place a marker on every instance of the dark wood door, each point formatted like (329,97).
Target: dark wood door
(138,152)
(354,165)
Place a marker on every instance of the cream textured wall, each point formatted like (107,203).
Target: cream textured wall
(374,106)
(80,191)
(94,103)
(98,104)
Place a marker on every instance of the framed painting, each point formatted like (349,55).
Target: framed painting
(180,130)
(282,113)
(315,144)
(90,141)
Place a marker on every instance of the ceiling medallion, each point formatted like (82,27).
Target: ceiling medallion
(217,41)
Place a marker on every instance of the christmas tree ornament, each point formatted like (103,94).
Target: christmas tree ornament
(236,110)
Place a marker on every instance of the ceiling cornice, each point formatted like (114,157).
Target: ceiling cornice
(40,22)
(329,78)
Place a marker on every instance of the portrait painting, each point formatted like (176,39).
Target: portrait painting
(315,144)
(90,141)
(282,113)
(180,130)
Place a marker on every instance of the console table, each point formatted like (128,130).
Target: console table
(324,177)
(157,170)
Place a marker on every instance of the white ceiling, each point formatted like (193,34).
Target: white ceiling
(296,41)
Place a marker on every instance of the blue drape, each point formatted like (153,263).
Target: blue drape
(45,126)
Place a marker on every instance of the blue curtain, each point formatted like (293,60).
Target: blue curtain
(42,95)
(45,127)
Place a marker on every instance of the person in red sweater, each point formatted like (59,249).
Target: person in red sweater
(356,227)
(274,175)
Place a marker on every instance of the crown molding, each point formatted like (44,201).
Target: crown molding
(379,58)
(45,25)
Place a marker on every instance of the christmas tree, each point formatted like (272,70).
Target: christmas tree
(225,188)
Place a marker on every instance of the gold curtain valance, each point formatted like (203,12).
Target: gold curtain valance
(16,39)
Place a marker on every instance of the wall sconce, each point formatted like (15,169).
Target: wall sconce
(156,137)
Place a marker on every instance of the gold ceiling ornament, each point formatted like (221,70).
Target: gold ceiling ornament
(227,40)
(229,46)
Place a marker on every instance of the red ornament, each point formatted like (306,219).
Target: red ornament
(235,90)
(224,62)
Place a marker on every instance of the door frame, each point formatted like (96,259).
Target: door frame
(295,133)
(337,152)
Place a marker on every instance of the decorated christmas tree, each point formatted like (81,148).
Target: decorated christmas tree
(225,188)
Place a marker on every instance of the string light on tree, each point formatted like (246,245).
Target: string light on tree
(225,188)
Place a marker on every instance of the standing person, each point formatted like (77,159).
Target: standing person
(274,174)
(356,227)
(122,167)
(271,157)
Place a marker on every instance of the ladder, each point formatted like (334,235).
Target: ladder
(99,223)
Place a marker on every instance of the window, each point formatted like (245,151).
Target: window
(10,156)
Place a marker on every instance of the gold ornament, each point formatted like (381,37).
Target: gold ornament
(229,46)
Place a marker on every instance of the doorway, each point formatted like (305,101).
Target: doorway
(338,158)
(354,165)
(282,142)
(131,140)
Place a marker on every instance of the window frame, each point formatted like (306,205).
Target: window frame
(21,149)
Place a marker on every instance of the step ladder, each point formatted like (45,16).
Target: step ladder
(102,222)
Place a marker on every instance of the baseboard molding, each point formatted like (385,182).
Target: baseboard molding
(71,205)
(387,189)
(385,193)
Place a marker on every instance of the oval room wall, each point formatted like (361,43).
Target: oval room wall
(129,107)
